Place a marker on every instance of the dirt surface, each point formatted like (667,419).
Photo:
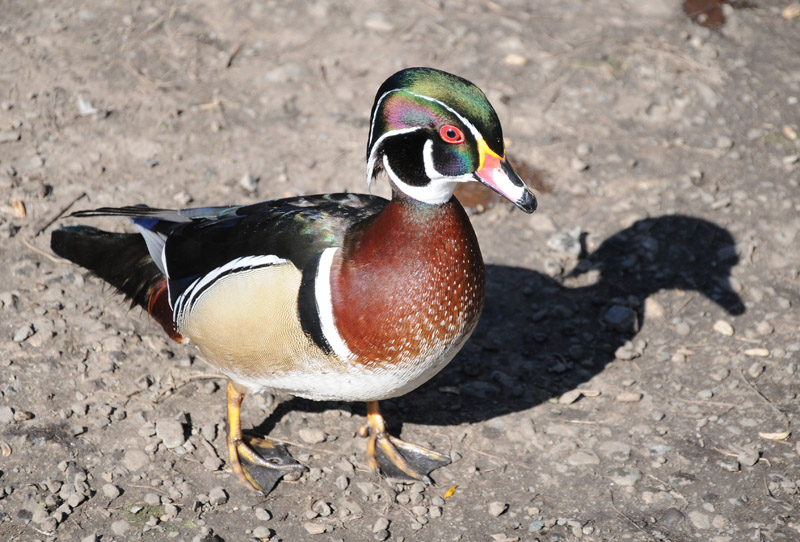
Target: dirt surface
(634,375)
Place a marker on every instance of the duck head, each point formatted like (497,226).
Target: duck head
(431,130)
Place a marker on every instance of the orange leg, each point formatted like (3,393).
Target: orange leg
(260,468)
(395,457)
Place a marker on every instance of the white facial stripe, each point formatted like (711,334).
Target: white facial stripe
(431,171)
(475,133)
(374,117)
(322,293)
(438,191)
(189,297)
(373,155)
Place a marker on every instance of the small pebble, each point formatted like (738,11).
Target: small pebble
(135,460)
(720,374)
(212,463)
(23,333)
(621,318)
(217,496)
(314,528)
(577,164)
(755,370)
(91,538)
(536,526)
(322,508)
(380,525)
(624,476)
(748,458)
(6,414)
(583,457)
(497,508)
(705,394)
(764,328)
(419,510)
(614,450)
(23,415)
(730,465)
(262,514)
(39,515)
(342,482)
(170,431)
(75,500)
(377,21)
(170,512)
(699,519)
(249,182)
(262,532)
(9,136)
(628,397)
(724,142)
(119,527)
(147,430)
(672,516)
(755,133)
(312,436)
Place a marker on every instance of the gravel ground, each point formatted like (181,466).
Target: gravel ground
(635,373)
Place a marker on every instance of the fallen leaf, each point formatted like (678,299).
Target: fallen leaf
(19,208)
(775,436)
(791,11)
(513,59)
(723,327)
(757,352)
(570,397)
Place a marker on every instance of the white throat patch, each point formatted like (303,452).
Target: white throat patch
(440,187)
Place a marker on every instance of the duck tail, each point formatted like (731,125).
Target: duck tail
(123,261)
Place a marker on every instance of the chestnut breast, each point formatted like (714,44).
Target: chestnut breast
(409,288)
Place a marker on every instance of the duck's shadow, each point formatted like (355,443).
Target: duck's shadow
(539,338)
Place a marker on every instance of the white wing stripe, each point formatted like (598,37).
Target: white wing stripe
(189,297)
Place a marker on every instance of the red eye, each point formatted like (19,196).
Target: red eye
(451,134)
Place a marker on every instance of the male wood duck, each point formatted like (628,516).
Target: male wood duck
(330,297)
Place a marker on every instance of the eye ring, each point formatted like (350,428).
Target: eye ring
(451,134)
